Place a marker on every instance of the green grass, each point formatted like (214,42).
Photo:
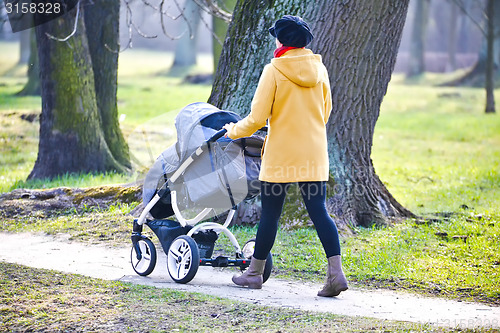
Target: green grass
(456,258)
(436,150)
(43,300)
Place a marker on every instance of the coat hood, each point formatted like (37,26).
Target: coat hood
(301,66)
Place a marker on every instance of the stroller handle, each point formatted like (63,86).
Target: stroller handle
(217,135)
(223,131)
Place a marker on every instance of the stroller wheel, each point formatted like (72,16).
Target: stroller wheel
(143,256)
(247,251)
(183,259)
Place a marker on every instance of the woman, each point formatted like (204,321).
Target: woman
(294,95)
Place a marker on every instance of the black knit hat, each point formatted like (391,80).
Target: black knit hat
(292,31)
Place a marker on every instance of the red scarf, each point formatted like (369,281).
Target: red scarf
(281,50)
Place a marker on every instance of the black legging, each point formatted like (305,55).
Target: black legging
(314,195)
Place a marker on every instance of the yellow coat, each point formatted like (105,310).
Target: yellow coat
(294,95)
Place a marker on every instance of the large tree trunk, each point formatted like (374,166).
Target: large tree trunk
(359,42)
(102,26)
(416,65)
(360,66)
(71,138)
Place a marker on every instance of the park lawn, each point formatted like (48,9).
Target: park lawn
(434,148)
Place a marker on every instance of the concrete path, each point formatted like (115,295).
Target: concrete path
(58,253)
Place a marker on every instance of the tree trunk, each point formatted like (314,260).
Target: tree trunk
(416,65)
(71,138)
(102,26)
(466,26)
(2,22)
(32,87)
(359,42)
(452,38)
(24,46)
(476,76)
(360,66)
(185,50)
(490,62)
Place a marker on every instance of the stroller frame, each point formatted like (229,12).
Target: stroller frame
(184,253)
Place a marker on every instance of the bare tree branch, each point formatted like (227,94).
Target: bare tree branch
(163,22)
(214,35)
(74,28)
(213,9)
(182,10)
(460,4)
(131,27)
(163,12)
(208,6)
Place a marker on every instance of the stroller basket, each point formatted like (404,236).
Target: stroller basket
(167,231)
(206,242)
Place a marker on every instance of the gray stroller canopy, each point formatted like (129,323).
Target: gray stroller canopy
(224,175)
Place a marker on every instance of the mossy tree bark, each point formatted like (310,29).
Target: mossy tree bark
(359,43)
(102,26)
(71,136)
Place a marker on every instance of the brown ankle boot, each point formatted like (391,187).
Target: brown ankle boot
(252,278)
(335,279)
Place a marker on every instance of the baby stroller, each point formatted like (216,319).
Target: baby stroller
(203,171)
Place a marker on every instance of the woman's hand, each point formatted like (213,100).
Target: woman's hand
(228,127)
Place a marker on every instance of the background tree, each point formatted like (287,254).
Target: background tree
(72,138)
(451,64)
(416,65)
(220,27)
(476,76)
(466,25)
(359,42)
(185,50)
(484,72)
(493,10)
(24,46)
(32,86)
